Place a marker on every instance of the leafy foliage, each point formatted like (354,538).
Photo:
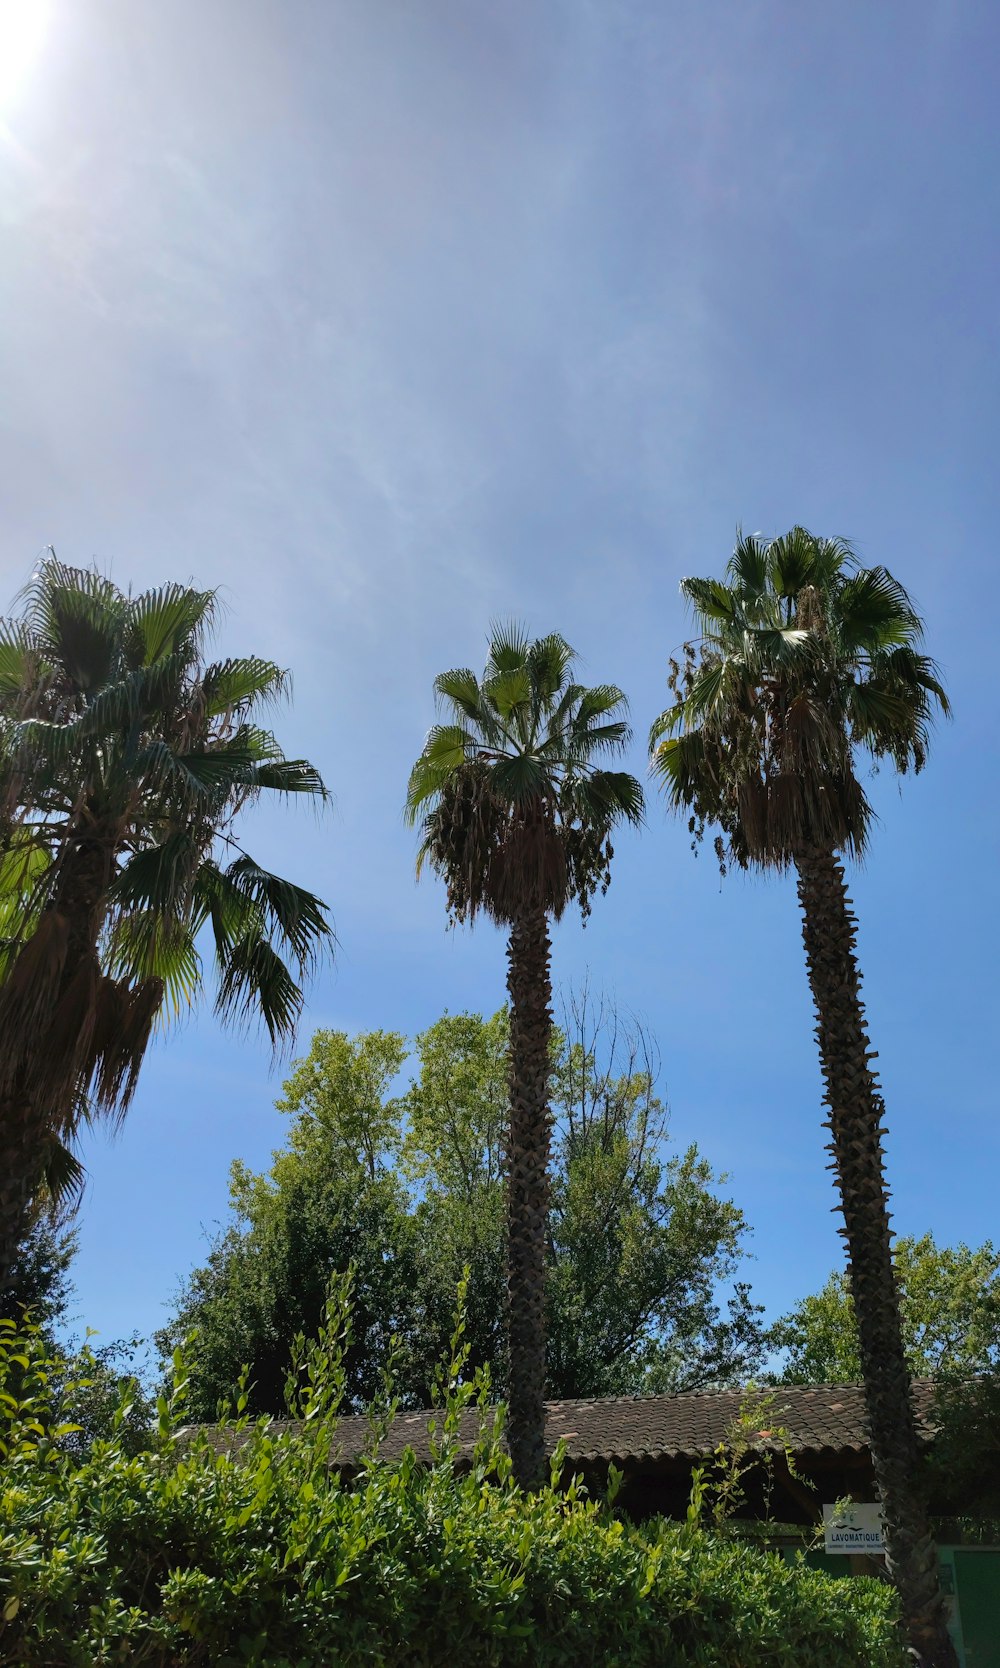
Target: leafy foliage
(85,1393)
(949,1302)
(408,1188)
(39,1279)
(250,1549)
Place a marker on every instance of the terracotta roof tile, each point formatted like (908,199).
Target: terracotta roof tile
(819,1419)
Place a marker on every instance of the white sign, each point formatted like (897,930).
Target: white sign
(853,1528)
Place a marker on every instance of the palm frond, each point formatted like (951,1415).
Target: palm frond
(508,647)
(23,867)
(714,678)
(179,778)
(63,1178)
(607,797)
(19,659)
(459,689)
(789,647)
(256,983)
(548,661)
(144,944)
(124,1026)
(583,743)
(160,879)
(567,704)
(250,758)
(447,748)
(164,622)
(519,778)
(127,703)
(917,673)
(41,747)
(237,686)
(877,710)
(507,690)
(711,600)
(680,763)
(747,567)
(77,616)
(296,916)
(231,912)
(874,612)
(791,562)
(289,776)
(665,724)
(597,702)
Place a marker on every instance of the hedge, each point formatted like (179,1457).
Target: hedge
(243,1546)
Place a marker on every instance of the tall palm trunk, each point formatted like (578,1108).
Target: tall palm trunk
(23,1150)
(856,1110)
(28,1110)
(530,986)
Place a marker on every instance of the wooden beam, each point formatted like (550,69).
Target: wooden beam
(805,1498)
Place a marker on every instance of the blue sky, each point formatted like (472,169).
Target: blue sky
(390,319)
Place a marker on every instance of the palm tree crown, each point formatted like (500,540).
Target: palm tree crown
(516,812)
(804,657)
(124,760)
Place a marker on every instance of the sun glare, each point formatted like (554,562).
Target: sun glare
(22,30)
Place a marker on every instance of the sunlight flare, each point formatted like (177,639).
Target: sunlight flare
(23,25)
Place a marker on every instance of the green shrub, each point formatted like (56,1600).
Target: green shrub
(246,1548)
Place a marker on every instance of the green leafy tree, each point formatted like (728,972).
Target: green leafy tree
(408,1189)
(454,1117)
(329,1201)
(39,1279)
(99,1395)
(949,1300)
(90,1382)
(639,1243)
(807,661)
(517,814)
(125,760)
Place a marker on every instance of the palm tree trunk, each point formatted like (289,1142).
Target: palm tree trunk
(856,1109)
(530,986)
(27,1115)
(23,1148)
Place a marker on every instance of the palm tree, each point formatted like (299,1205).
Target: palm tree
(805,661)
(517,817)
(124,761)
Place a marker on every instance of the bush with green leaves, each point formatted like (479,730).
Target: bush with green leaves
(243,1545)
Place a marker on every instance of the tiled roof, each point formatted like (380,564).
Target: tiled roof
(823,1419)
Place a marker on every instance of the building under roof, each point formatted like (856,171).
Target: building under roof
(656,1441)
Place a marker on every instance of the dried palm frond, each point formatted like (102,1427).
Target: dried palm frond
(529,868)
(30,989)
(116,1068)
(59,1062)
